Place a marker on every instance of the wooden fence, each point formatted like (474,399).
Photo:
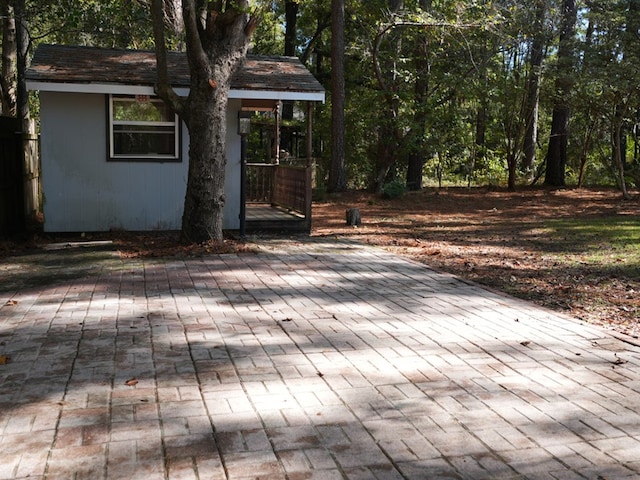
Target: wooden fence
(20,197)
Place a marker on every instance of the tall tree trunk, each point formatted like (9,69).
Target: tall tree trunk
(629,42)
(557,150)
(416,157)
(388,135)
(533,89)
(8,76)
(204,199)
(22,50)
(290,45)
(617,154)
(337,179)
(386,149)
(217,43)
(417,152)
(482,118)
(480,141)
(586,143)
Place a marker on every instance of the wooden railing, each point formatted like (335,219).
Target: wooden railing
(289,188)
(281,185)
(260,178)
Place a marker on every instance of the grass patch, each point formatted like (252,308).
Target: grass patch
(610,243)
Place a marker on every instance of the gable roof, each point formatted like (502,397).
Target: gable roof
(101,70)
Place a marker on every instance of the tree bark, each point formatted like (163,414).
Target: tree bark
(290,44)
(8,77)
(22,50)
(557,150)
(388,134)
(617,153)
(416,156)
(629,43)
(533,89)
(217,41)
(337,180)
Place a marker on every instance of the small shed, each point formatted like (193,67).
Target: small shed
(114,157)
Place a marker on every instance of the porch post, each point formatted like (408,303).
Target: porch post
(243,186)
(277,132)
(309,143)
(309,177)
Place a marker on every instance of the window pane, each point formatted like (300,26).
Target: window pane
(131,110)
(144,140)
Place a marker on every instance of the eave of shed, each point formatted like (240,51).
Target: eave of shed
(81,69)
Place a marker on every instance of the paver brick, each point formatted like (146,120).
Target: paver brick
(302,364)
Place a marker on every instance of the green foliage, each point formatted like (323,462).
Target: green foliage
(268,39)
(104,23)
(442,63)
(393,189)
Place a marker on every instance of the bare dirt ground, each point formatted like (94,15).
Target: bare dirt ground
(500,239)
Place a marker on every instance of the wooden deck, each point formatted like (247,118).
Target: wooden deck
(265,217)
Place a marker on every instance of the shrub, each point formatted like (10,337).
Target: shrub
(393,189)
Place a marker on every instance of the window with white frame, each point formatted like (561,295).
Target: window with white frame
(142,128)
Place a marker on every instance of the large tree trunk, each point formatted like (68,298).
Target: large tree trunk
(337,180)
(204,199)
(533,89)
(416,156)
(617,153)
(8,77)
(290,44)
(22,46)
(388,131)
(557,150)
(482,119)
(386,149)
(417,152)
(217,42)
(629,45)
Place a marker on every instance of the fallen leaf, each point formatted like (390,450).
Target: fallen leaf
(525,343)
(131,382)
(11,303)
(4,359)
(320,374)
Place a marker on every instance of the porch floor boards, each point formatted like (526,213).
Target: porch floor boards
(267,217)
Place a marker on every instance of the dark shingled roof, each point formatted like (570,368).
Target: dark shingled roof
(76,64)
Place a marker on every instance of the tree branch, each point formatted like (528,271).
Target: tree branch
(163,87)
(195,51)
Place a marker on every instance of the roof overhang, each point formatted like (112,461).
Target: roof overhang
(78,69)
(114,89)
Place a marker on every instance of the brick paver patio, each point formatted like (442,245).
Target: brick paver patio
(331,361)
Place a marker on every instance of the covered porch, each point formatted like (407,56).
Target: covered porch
(276,185)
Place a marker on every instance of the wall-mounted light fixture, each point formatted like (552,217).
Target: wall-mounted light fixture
(244,122)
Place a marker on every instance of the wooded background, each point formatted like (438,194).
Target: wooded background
(436,92)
